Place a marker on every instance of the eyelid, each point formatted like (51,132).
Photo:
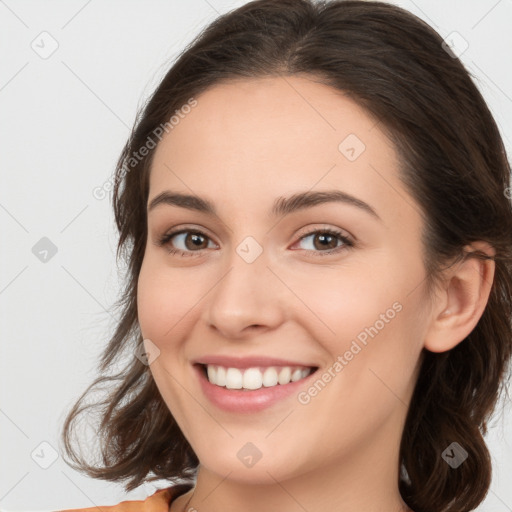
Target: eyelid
(187,229)
(348,240)
(325,227)
(165,239)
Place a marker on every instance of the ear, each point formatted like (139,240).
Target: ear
(461,300)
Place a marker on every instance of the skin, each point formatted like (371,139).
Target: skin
(243,145)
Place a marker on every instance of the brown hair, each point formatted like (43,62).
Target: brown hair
(454,164)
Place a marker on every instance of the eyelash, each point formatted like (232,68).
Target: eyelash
(165,239)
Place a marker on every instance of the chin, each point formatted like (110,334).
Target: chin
(255,472)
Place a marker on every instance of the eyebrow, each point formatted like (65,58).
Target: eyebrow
(282,205)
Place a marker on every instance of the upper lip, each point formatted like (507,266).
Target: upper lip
(248,362)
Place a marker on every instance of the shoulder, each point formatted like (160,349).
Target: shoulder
(157,502)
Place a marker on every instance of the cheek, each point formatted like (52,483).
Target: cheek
(339,304)
(369,317)
(162,302)
(164,310)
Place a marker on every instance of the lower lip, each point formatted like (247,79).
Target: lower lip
(246,401)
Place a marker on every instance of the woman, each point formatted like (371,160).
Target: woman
(313,207)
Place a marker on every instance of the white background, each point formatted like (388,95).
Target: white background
(64,120)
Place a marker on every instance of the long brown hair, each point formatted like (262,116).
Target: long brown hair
(453,162)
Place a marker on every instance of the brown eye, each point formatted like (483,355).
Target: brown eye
(326,241)
(189,242)
(195,241)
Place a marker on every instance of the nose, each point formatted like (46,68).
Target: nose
(247,298)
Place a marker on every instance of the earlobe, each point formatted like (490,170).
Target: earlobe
(462,300)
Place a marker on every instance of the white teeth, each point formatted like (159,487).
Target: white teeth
(254,378)
(220,376)
(211,372)
(234,378)
(285,375)
(270,377)
(296,375)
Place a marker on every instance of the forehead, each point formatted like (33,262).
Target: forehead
(253,140)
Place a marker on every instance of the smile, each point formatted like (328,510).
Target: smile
(256,377)
(253,388)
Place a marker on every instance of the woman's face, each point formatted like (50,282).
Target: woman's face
(257,284)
